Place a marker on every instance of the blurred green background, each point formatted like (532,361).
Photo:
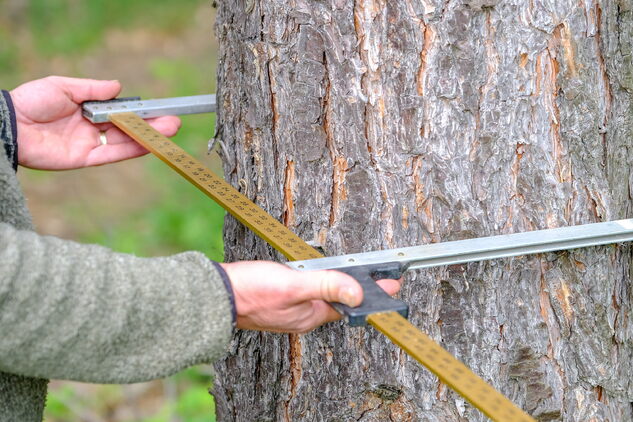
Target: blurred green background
(156,49)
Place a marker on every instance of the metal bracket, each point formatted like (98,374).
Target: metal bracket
(99,111)
(374,298)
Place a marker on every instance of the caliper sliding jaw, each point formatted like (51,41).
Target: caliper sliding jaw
(375,299)
(367,267)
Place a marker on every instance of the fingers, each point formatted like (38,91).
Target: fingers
(331,286)
(391,287)
(325,313)
(114,153)
(334,286)
(80,90)
(167,125)
(119,146)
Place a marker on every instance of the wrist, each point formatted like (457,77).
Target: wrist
(229,289)
(10,135)
(247,300)
(232,281)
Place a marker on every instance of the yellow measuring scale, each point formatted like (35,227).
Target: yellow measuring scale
(418,345)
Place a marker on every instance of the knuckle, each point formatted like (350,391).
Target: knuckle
(54,79)
(328,286)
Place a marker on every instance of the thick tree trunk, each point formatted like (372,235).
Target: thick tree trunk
(374,124)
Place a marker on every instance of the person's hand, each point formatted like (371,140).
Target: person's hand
(53,135)
(273,297)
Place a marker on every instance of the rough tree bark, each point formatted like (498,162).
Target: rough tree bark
(373,124)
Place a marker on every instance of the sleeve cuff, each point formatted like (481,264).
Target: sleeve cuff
(11,145)
(229,290)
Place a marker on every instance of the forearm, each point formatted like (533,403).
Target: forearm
(83,312)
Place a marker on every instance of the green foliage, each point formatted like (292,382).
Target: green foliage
(62,26)
(8,56)
(8,50)
(192,402)
(56,405)
(178,217)
(181,217)
(195,405)
(181,76)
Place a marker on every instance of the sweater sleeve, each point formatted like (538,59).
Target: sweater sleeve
(83,312)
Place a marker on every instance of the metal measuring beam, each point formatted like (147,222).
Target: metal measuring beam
(100,111)
(483,248)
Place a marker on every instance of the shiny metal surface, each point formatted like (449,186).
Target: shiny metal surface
(99,111)
(483,248)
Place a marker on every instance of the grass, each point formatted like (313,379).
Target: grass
(177,217)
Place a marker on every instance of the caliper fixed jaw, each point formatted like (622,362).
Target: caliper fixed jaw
(100,111)
(375,299)
(97,111)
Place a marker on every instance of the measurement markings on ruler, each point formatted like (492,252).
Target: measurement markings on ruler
(417,344)
(449,370)
(242,208)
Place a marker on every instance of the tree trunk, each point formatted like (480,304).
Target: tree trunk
(373,124)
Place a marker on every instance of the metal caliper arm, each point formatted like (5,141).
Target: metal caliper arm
(99,111)
(482,248)
(369,266)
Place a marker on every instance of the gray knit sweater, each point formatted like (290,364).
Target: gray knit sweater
(85,313)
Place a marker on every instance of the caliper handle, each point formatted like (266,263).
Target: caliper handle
(375,299)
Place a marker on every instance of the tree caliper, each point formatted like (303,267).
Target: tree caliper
(385,313)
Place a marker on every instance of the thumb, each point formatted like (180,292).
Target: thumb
(80,90)
(331,286)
